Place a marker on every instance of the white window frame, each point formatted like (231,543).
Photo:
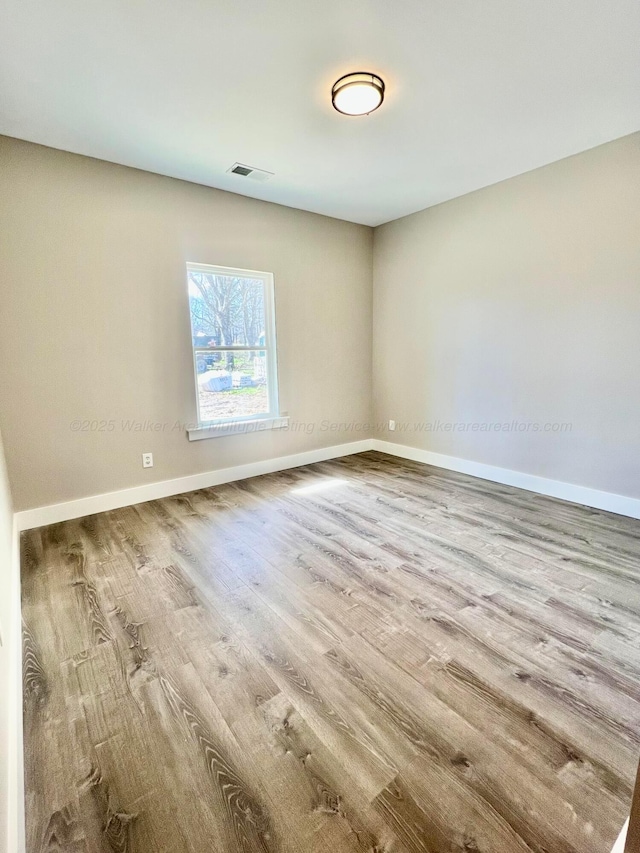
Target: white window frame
(249,423)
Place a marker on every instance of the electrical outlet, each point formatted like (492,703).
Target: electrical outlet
(147,460)
(392,425)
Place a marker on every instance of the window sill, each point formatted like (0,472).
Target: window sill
(237,428)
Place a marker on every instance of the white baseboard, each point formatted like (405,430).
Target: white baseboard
(609,501)
(618,847)
(16,814)
(165,488)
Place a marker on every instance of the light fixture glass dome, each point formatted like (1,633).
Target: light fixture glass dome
(358,94)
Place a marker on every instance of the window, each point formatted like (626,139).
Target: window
(234,347)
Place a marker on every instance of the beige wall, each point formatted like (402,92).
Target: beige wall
(520,302)
(95,322)
(517,302)
(6,651)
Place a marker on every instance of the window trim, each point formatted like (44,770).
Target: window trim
(244,427)
(241,424)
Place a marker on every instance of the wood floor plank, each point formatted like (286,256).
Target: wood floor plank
(457,742)
(325,805)
(328,704)
(365,655)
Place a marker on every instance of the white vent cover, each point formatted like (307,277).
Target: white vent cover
(250,172)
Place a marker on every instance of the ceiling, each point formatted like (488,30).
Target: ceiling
(477,91)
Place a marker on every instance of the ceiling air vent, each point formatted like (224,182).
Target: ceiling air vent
(250,172)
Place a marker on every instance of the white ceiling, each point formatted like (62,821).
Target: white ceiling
(477,90)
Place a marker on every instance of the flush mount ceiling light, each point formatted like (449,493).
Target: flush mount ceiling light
(358,94)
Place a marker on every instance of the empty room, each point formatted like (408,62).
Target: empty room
(319,426)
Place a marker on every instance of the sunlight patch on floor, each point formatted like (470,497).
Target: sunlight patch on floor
(321,486)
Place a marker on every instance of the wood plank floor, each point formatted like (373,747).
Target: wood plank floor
(363,655)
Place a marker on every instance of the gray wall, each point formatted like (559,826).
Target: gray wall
(6,650)
(95,321)
(520,302)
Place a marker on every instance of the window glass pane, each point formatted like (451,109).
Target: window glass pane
(232,384)
(226,310)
